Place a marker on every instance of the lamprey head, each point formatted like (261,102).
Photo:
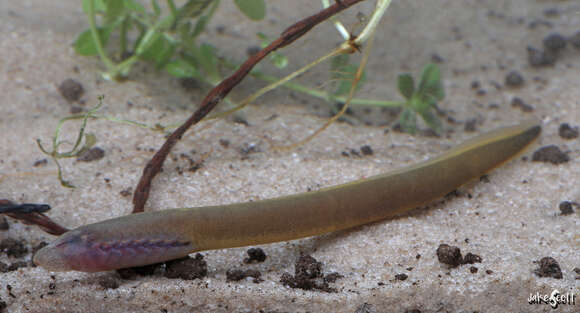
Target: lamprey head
(88,250)
(69,252)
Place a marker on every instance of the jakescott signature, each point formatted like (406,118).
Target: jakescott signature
(554,299)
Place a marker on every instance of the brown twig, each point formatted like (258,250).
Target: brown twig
(220,91)
(40,220)
(31,214)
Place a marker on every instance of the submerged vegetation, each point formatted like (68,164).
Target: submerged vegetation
(124,32)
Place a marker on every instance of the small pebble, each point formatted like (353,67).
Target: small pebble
(109,282)
(471,125)
(549,267)
(16,265)
(255,255)
(366,150)
(471,258)
(250,51)
(4,223)
(71,90)
(92,154)
(449,255)
(577,271)
(514,79)
(550,154)
(401,277)
(365,308)
(237,275)
(539,58)
(566,208)
(187,268)
(551,12)
(436,58)
(40,162)
(568,132)
(554,42)
(520,104)
(13,247)
(575,40)
(127,192)
(189,83)
(224,143)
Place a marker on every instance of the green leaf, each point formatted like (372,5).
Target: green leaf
(145,42)
(431,120)
(85,45)
(183,30)
(406,85)
(181,69)
(341,74)
(208,53)
(420,103)
(264,40)
(209,62)
(344,73)
(430,83)
(424,106)
(254,9)
(135,6)
(205,60)
(156,8)
(160,50)
(408,121)
(199,26)
(338,62)
(193,8)
(279,60)
(90,141)
(99,5)
(115,10)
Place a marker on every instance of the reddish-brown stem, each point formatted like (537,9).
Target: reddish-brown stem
(40,220)
(31,215)
(220,91)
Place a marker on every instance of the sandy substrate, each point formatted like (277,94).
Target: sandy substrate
(511,221)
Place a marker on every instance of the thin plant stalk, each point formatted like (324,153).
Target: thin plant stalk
(96,38)
(282,81)
(324,95)
(337,24)
(351,93)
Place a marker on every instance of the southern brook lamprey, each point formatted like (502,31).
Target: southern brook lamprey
(151,237)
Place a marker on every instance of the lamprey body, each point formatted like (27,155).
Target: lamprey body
(146,238)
